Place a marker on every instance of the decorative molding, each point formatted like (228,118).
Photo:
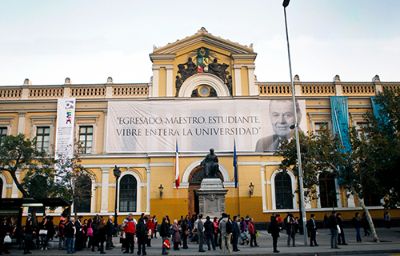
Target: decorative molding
(203,79)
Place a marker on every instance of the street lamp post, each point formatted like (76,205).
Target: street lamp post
(117,174)
(296,128)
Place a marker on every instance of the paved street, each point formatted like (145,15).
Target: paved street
(390,245)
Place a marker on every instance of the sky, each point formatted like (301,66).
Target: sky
(90,40)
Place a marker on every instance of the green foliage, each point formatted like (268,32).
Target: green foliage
(380,141)
(319,152)
(70,178)
(18,153)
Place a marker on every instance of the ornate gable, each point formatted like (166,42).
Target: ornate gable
(224,68)
(202,36)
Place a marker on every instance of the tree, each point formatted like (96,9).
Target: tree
(324,152)
(18,154)
(382,138)
(70,177)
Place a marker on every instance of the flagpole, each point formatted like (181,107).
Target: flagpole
(236,175)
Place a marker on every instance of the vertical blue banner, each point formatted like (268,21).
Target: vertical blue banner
(379,112)
(340,120)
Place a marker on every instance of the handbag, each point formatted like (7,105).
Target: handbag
(7,239)
(43,232)
(338,229)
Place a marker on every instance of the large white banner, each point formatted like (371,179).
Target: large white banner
(198,125)
(65,128)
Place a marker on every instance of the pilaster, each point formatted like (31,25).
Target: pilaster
(21,122)
(238,80)
(170,80)
(105,172)
(263,184)
(148,172)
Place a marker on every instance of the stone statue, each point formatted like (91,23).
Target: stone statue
(210,165)
(229,83)
(178,84)
(191,67)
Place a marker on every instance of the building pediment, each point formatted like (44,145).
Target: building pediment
(201,37)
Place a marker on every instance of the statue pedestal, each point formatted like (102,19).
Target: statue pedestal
(211,197)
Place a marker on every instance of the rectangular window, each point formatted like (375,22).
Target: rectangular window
(3,133)
(360,127)
(320,126)
(86,139)
(43,138)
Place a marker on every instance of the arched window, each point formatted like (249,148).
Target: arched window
(83,194)
(128,194)
(327,190)
(283,191)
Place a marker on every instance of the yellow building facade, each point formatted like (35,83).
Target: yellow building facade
(150,176)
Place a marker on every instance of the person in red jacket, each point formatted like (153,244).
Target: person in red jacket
(130,230)
(151,229)
(253,233)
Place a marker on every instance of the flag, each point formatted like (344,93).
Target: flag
(235,169)
(177,179)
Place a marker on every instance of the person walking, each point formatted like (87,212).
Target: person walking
(199,225)
(130,230)
(109,233)
(209,233)
(70,232)
(253,233)
(102,235)
(61,237)
(78,234)
(244,231)
(150,229)
(341,237)
(176,236)
(216,231)
(43,233)
(290,229)
(235,233)
(225,228)
(185,232)
(5,231)
(333,227)
(164,233)
(141,234)
(95,227)
(274,229)
(357,226)
(312,229)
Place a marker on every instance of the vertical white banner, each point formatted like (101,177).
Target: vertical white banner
(65,128)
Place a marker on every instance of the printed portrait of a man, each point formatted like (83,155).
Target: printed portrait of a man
(282,120)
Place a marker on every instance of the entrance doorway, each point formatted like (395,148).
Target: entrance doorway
(195,178)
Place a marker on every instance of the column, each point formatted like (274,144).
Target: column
(253,88)
(105,172)
(170,81)
(14,189)
(105,133)
(21,122)
(238,80)
(156,78)
(148,172)
(263,184)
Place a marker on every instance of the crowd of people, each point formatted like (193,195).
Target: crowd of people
(224,233)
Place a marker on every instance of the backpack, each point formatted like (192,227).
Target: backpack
(229,227)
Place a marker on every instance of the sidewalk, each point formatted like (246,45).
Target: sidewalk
(390,244)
